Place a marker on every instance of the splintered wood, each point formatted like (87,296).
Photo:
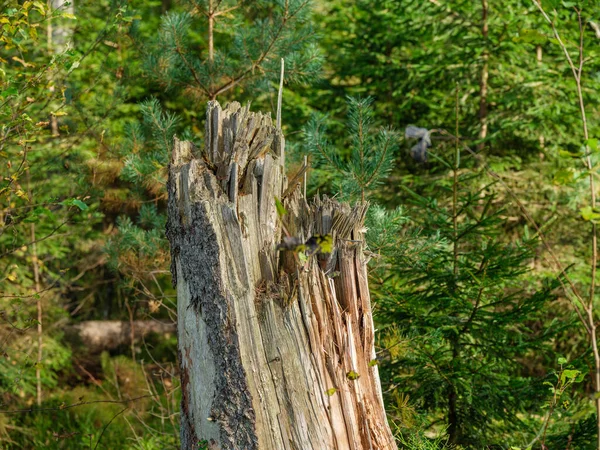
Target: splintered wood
(274,353)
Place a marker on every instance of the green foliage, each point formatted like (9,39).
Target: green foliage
(411,60)
(58,101)
(18,367)
(139,248)
(101,418)
(241,47)
(248,43)
(86,127)
(465,315)
(147,147)
(371,154)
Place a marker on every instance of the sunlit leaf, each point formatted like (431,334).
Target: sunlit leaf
(75,202)
(531,37)
(352,375)
(564,176)
(588,214)
(281,211)
(568,374)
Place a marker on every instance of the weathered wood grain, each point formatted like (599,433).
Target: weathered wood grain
(266,343)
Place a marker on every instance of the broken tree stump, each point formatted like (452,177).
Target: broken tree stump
(275,353)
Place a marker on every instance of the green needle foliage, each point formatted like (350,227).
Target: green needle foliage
(455,303)
(147,148)
(92,93)
(240,43)
(200,53)
(371,155)
(461,317)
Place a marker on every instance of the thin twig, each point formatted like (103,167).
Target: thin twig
(74,405)
(111,420)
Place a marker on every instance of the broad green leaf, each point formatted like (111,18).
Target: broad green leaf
(12,90)
(568,374)
(568,154)
(588,214)
(40,7)
(75,202)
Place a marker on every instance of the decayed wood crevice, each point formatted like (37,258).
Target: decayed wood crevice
(267,343)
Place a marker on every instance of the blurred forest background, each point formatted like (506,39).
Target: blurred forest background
(482,226)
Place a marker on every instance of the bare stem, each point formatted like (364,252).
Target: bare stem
(211,25)
(49,30)
(280,94)
(483,84)
(591,326)
(36,279)
(455,188)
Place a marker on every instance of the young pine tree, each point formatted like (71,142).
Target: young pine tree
(204,50)
(355,174)
(451,298)
(459,319)
(215,46)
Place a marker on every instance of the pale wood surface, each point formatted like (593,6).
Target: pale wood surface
(263,338)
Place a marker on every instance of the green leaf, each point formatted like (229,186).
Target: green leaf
(331,391)
(531,37)
(568,154)
(562,360)
(352,375)
(10,91)
(36,213)
(592,144)
(569,374)
(564,176)
(281,211)
(373,362)
(75,202)
(302,257)
(588,214)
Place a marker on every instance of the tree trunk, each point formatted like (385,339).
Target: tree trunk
(270,347)
(95,336)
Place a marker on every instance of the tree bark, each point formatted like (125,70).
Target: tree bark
(269,346)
